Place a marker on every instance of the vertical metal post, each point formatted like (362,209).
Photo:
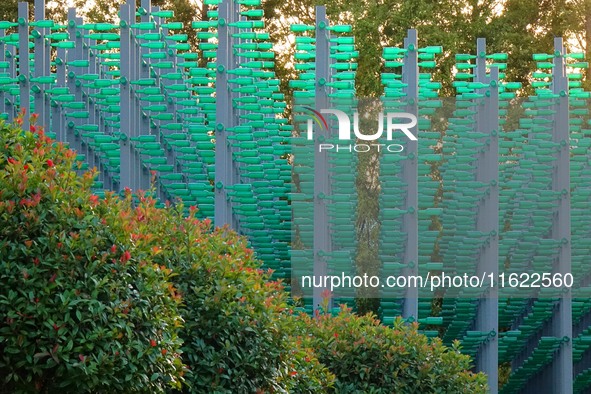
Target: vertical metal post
(127,12)
(410,176)
(562,365)
(11,55)
(23,61)
(57,124)
(487,221)
(322,186)
(225,118)
(88,102)
(134,60)
(92,69)
(40,56)
(46,119)
(103,128)
(144,120)
(2,59)
(171,106)
(74,85)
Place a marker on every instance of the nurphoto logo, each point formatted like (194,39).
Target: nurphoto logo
(394,121)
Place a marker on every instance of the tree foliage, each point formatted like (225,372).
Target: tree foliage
(237,323)
(117,295)
(82,307)
(517,27)
(367,357)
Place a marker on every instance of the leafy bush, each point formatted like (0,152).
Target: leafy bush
(304,373)
(91,290)
(82,308)
(367,357)
(107,295)
(237,322)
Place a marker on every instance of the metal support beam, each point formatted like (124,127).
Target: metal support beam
(225,118)
(562,364)
(11,55)
(127,14)
(3,58)
(143,127)
(410,175)
(74,86)
(23,61)
(322,235)
(41,57)
(557,376)
(134,60)
(57,121)
(487,222)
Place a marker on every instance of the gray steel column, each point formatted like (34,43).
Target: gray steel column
(487,172)
(74,85)
(562,365)
(144,122)
(92,69)
(557,376)
(103,128)
(224,167)
(322,232)
(410,175)
(85,149)
(170,106)
(57,123)
(41,67)
(46,118)
(171,55)
(11,55)
(2,59)
(127,14)
(23,61)
(135,60)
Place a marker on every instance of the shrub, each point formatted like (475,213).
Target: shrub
(82,307)
(304,373)
(237,330)
(367,357)
(91,289)
(103,295)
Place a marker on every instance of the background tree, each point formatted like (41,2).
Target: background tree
(517,27)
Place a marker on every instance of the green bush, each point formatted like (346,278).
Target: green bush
(367,357)
(115,295)
(82,308)
(237,330)
(96,291)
